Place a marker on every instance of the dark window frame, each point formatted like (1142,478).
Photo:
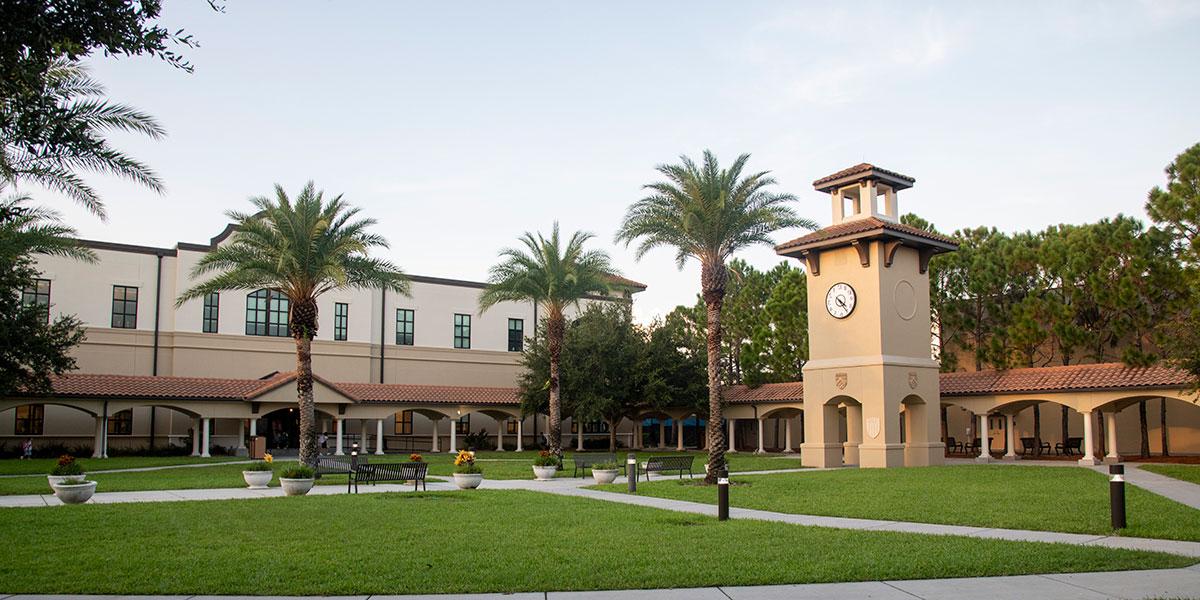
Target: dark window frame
(403,423)
(121,422)
(122,315)
(405,328)
(341,321)
(462,425)
(35,296)
(267,313)
(510,427)
(462,331)
(32,423)
(210,317)
(516,344)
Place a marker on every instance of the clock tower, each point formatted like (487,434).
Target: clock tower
(869,328)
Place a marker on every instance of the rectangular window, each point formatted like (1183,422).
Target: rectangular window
(30,419)
(404,326)
(595,427)
(404,420)
(511,426)
(341,320)
(462,331)
(267,313)
(124,307)
(516,335)
(212,305)
(121,423)
(38,294)
(463,425)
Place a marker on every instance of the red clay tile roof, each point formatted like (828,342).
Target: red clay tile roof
(618,280)
(399,392)
(861,168)
(792,391)
(864,226)
(1054,379)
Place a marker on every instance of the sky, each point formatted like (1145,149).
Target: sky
(459,126)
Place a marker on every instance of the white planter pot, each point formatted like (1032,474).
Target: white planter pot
(295,487)
(75,493)
(258,480)
(604,475)
(62,479)
(544,473)
(468,481)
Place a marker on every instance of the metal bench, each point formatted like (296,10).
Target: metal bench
(411,471)
(1074,445)
(585,460)
(663,464)
(1030,446)
(339,465)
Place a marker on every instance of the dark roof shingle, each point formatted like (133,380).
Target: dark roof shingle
(864,226)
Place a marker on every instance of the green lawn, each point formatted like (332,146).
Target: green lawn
(1188,473)
(496,465)
(472,542)
(41,466)
(1064,499)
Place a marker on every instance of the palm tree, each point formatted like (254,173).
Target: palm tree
(552,277)
(52,146)
(302,248)
(708,213)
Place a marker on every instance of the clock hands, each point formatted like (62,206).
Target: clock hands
(841,301)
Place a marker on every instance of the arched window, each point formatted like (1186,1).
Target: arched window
(267,313)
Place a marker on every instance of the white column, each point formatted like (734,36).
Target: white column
(579,436)
(760,449)
(205,445)
(253,426)
(338,444)
(1110,432)
(500,435)
(242,435)
(662,433)
(787,436)
(195,436)
(1089,457)
(520,436)
(379,436)
(453,436)
(732,435)
(984,449)
(1011,436)
(437,440)
(679,435)
(98,439)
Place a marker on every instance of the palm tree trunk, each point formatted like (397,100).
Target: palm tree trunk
(555,328)
(712,285)
(1162,415)
(1145,427)
(1037,430)
(1066,429)
(304,391)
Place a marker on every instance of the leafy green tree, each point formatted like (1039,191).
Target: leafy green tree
(778,347)
(673,366)
(554,276)
(304,248)
(74,140)
(32,348)
(707,213)
(603,355)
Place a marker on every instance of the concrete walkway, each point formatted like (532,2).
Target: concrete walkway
(1165,583)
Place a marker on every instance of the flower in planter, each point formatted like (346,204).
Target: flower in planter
(465,463)
(267,458)
(545,459)
(414,457)
(67,465)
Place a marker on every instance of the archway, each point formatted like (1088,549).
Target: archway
(281,428)
(34,422)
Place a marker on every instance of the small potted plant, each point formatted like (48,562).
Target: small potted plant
(545,465)
(67,470)
(258,475)
(467,474)
(297,480)
(605,472)
(69,482)
(414,457)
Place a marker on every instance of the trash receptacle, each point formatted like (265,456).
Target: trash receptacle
(258,447)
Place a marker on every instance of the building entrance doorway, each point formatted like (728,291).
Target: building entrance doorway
(281,428)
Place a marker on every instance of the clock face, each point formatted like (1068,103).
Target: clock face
(839,301)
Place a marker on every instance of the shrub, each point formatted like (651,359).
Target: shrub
(465,463)
(545,459)
(297,472)
(478,441)
(606,466)
(67,465)
(258,465)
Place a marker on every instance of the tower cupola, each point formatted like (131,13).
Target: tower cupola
(863,191)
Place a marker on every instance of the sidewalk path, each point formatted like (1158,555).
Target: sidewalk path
(1164,583)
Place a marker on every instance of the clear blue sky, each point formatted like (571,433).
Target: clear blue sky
(459,126)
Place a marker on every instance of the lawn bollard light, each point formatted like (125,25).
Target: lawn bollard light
(723,495)
(1116,495)
(631,471)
